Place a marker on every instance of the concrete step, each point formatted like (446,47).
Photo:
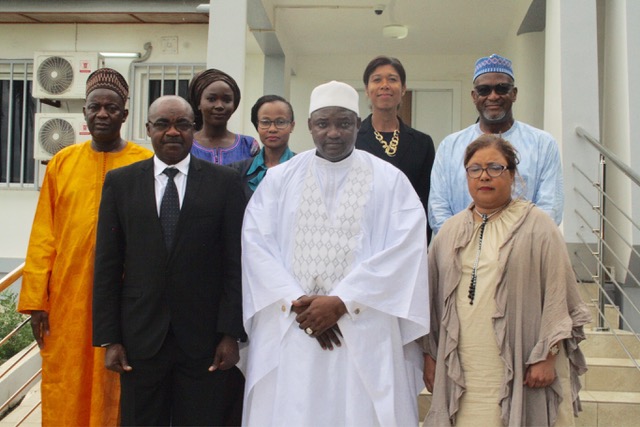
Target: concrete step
(609,408)
(588,291)
(606,344)
(424,403)
(599,408)
(611,374)
(610,312)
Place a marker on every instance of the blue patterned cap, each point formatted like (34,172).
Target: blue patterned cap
(493,64)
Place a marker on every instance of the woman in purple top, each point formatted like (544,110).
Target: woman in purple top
(214,96)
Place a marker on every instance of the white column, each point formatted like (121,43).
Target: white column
(227,45)
(571,99)
(621,126)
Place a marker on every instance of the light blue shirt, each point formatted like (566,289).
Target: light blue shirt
(539,167)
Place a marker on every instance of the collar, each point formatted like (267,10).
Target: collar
(258,161)
(159,166)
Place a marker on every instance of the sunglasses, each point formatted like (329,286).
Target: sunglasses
(499,89)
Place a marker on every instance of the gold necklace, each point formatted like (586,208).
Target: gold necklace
(390,147)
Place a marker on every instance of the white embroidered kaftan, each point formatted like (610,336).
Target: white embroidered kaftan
(357,230)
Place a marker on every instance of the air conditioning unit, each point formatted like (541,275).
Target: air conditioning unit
(54,131)
(63,75)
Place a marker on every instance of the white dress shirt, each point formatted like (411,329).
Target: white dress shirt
(161,179)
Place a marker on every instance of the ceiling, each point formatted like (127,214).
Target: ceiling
(312,27)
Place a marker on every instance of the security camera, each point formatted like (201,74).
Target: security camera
(378,9)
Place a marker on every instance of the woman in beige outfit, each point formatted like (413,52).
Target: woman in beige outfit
(506,315)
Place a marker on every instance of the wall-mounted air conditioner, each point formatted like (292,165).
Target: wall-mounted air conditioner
(63,75)
(54,131)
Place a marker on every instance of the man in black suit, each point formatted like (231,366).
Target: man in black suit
(167,286)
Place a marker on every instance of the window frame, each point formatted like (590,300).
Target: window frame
(140,76)
(19,71)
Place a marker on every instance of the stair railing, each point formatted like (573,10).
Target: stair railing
(603,231)
(5,282)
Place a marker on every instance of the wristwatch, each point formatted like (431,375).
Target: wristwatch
(554,350)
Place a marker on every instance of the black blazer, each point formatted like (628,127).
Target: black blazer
(141,289)
(414,157)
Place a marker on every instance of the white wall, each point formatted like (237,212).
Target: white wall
(21,40)
(314,70)
(16,216)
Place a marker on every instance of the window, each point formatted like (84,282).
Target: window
(149,82)
(17,166)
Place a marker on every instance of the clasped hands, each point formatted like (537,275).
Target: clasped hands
(318,315)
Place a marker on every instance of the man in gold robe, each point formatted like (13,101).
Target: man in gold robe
(57,284)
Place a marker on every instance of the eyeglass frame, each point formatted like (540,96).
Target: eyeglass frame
(283,124)
(489,166)
(164,127)
(500,89)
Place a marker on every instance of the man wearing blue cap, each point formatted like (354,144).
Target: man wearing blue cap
(494,94)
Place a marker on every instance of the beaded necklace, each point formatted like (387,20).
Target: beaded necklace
(474,272)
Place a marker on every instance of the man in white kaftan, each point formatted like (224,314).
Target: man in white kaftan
(334,283)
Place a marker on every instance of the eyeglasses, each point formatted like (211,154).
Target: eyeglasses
(499,89)
(164,125)
(280,123)
(494,170)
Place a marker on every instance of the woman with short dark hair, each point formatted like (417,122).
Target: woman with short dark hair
(272,116)
(383,133)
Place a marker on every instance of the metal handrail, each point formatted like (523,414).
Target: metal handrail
(619,288)
(24,418)
(19,359)
(609,155)
(20,390)
(613,330)
(604,274)
(15,331)
(5,282)
(11,277)
(606,196)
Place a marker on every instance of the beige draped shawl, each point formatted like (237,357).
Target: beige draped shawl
(537,304)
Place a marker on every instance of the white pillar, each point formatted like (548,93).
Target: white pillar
(571,99)
(621,127)
(227,45)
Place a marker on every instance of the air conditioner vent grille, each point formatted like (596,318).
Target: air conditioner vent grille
(55,75)
(55,134)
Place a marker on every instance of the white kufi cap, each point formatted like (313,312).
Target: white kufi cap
(334,94)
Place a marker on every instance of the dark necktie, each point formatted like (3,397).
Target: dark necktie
(169,208)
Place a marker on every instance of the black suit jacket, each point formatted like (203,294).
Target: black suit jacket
(414,157)
(141,289)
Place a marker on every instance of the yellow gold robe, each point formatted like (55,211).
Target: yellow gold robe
(77,390)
